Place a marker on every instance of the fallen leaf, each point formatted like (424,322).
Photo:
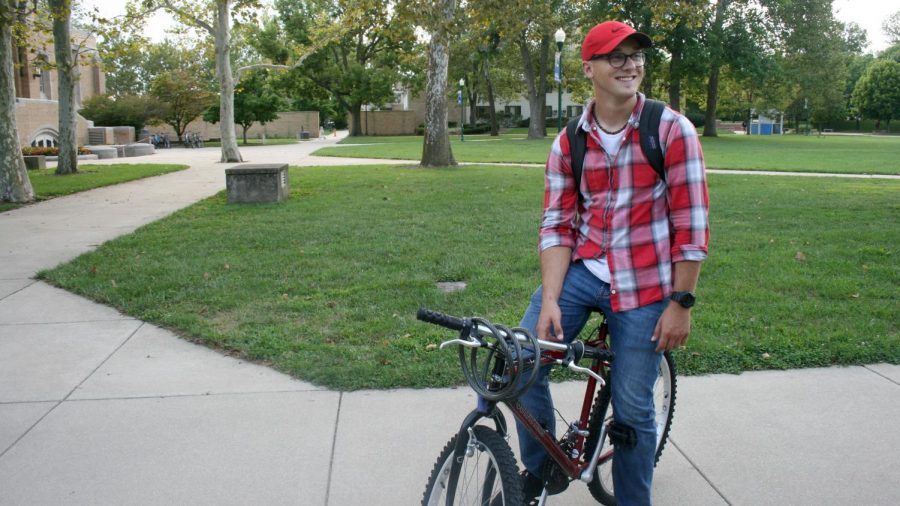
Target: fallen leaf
(800,256)
(854,296)
(431,347)
(227,267)
(113,281)
(765,356)
(206,276)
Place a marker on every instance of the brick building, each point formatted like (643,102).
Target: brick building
(37,110)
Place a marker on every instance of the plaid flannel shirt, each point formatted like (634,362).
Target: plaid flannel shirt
(642,224)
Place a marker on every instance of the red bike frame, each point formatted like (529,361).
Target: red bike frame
(573,467)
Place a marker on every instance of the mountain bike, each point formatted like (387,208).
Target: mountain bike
(477,465)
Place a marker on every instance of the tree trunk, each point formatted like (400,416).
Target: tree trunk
(712,98)
(245,127)
(712,89)
(355,111)
(14,183)
(675,78)
(67,75)
(492,110)
(536,79)
(436,150)
(230,151)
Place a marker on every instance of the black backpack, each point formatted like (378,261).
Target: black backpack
(648,130)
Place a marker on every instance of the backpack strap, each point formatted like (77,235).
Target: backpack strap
(649,134)
(577,151)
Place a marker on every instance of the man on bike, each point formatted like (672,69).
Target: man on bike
(627,242)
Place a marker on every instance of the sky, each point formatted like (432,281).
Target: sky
(868,13)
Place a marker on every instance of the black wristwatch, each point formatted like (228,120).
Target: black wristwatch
(686,299)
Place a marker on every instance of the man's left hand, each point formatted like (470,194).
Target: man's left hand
(673,327)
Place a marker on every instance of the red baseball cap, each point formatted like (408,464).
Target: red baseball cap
(603,38)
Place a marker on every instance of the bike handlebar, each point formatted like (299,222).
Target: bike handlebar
(578,348)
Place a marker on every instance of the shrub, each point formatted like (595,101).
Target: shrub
(697,118)
(50,151)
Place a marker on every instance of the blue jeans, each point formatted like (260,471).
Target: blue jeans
(634,373)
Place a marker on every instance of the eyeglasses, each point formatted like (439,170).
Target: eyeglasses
(617,60)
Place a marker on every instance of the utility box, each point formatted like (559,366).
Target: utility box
(257,183)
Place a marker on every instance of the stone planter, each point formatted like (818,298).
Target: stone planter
(80,158)
(104,152)
(35,162)
(257,183)
(138,149)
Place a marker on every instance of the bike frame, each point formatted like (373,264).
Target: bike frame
(573,467)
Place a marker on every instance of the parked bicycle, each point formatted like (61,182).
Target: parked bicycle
(477,465)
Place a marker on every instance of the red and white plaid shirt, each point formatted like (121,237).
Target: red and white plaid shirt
(642,224)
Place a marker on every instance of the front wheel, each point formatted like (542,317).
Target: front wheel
(601,486)
(487,476)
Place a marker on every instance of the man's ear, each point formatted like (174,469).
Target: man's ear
(588,69)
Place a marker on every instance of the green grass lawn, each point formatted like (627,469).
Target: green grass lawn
(47,184)
(803,272)
(832,153)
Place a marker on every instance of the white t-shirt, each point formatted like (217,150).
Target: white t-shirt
(600,266)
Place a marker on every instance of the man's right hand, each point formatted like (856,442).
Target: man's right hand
(549,325)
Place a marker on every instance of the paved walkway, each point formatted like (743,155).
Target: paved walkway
(98,408)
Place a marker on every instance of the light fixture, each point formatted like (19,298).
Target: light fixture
(560,37)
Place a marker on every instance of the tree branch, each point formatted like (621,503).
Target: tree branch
(189,16)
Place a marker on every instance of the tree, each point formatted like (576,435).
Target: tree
(124,63)
(815,58)
(529,25)
(131,110)
(365,48)
(891,27)
(14,183)
(877,94)
(214,18)
(436,151)
(68,73)
(254,102)
(183,97)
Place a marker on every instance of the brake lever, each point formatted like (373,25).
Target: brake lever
(584,370)
(471,343)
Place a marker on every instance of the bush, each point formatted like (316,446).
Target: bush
(697,118)
(50,151)
(136,111)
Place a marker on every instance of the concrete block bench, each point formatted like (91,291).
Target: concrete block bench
(80,158)
(139,149)
(104,152)
(257,183)
(35,162)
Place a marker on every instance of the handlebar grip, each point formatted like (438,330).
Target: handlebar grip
(450,322)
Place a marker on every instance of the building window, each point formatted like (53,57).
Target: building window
(574,110)
(44,140)
(513,110)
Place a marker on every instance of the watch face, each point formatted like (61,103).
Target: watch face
(686,299)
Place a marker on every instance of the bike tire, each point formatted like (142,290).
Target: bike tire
(601,486)
(490,477)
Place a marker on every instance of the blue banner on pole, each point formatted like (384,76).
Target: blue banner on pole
(459,97)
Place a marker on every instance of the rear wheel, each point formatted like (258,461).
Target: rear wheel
(488,474)
(601,486)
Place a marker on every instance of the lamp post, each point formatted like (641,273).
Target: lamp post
(461,100)
(560,37)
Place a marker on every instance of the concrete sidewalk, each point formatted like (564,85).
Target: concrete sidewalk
(99,408)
